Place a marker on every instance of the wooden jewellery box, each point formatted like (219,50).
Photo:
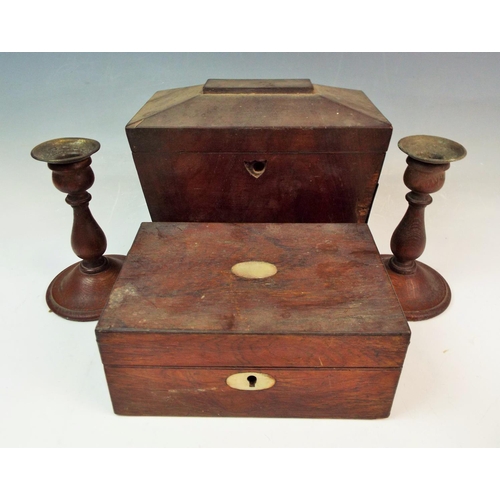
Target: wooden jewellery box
(253,320)
(259,151)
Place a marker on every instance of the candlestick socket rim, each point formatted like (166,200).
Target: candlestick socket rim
(65,150)
(432,149)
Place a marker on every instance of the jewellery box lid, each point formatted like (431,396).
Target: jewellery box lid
(325,279)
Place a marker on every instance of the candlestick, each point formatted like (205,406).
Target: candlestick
(81,291)
(422,291)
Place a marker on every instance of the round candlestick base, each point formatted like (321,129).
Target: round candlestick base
(81,296)
(423,294)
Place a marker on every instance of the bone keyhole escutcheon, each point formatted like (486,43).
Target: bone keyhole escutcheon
(250,381)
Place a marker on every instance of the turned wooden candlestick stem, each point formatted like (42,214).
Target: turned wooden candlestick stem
(422,291)
(81,291)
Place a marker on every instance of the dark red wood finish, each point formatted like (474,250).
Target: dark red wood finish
(251,350)
(299,393)
(327,326)
(422,291)
(79,292)
(317,150)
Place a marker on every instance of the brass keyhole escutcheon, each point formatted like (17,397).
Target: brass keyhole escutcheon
(256,167)
(250,381)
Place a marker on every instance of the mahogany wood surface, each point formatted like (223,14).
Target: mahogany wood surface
(79,296)
(251,350)
(293,187)
(298,393)
(330,280)
(422,291)
(327,326)
(323,150)
(80,291)
(278,86)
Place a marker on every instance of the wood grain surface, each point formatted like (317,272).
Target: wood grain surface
(295,187)
(251,350)
(323,147)
(327,326)
(327,393)
(330,280)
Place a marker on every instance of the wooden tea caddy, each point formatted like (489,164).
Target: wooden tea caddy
(257,290)
(259,151)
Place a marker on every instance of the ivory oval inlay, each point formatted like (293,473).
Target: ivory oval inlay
(250,381)
(254,269)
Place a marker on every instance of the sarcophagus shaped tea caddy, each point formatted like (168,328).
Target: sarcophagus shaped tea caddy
(259,151)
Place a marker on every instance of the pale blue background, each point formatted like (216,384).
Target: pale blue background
(53,389)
